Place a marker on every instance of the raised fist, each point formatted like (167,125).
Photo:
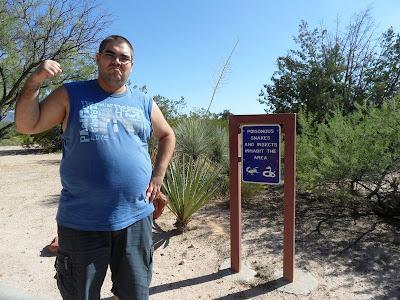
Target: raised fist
(47,69)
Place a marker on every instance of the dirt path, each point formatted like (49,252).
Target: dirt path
(351,258)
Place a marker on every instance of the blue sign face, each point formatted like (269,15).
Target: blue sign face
(261,154)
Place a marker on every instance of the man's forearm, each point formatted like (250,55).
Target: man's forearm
(166,146)
(27,111)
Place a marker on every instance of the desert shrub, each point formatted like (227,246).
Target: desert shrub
(202,138)
(11,138)
(354,156)
(250,191)
(219,147)
(189,185)
(205,138)
(193,138)
(48,141)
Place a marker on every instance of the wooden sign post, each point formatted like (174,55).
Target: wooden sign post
(288,123)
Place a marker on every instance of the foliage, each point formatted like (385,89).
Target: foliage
(171,109)
(35,30)
(353,156)
(193,138)
(224,115)
(219,145)
(12,138)
(48,141)
(331,70)
(251,190)
(202,138)
(189,185)
(205,138)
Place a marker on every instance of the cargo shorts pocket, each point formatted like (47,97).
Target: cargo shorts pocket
(148,259)
(65,281)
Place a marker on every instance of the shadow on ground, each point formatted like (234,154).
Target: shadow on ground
(349,241)
(46,253)
(21,151)
(51,200)
(49,162)
(162,238)
(259,290)
(246,294)
(188,282)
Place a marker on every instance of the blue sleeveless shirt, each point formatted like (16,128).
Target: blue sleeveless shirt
(105,168)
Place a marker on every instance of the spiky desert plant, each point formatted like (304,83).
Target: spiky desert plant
(190,184)
(220,146)
(193,138)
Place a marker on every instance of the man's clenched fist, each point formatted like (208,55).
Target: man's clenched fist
(46,70)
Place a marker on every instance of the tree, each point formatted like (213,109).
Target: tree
(335,70)
(35,30)
(171,108)
(224,115)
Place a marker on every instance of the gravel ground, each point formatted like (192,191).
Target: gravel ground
(351,258)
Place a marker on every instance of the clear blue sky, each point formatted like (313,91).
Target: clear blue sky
(180,44)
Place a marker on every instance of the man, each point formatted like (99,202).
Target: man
(104,214)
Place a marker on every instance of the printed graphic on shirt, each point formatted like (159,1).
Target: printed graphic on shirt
(100,120)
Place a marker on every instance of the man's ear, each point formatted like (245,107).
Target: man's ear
(97,58)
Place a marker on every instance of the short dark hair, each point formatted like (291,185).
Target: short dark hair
(114,38)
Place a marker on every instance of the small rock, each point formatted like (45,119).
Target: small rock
(161,254)
(181,262)
(191,246)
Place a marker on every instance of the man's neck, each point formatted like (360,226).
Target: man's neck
(110,88)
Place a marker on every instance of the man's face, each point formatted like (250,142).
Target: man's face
(115,63)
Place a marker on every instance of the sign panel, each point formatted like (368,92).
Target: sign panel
(261,157)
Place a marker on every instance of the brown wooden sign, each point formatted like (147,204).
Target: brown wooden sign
(288,123)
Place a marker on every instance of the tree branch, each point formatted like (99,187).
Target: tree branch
(3,79)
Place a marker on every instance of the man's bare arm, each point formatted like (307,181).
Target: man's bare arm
(34,117)
(166,145)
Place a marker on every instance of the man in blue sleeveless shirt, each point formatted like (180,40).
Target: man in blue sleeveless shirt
(105,212)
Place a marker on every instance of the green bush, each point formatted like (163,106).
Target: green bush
(219,146)
(190,184)
(250,191)
(12,138)
(354,156)
(193,138)
(205,138)
(202,138)
(48,141)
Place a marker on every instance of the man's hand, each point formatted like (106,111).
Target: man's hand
(46,70)
(154,187)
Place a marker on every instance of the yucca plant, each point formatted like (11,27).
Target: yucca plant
(220,146)
(193,138)
(190,184)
